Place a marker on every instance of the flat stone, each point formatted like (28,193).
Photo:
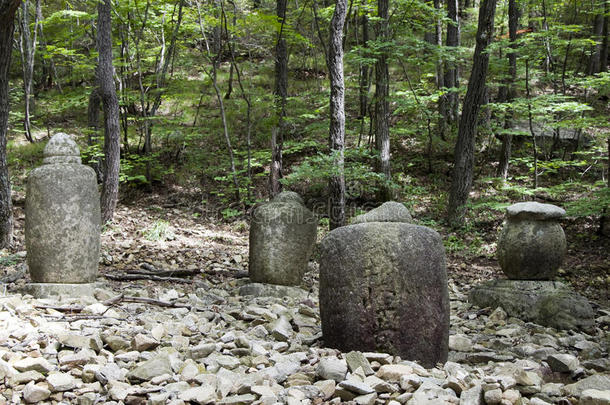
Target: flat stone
(26,377)
(357,360)
(149,369)
(357,387)
(548,303)
(39,364)
(141,342)
(33,393)
(562,363)
(595,397)
(472,396)
(60,382)
(535,210)
(199,395)
(460,343)
(54,290)
(272,290)
(332,369)
(393,372)
(594,382)
(81,342)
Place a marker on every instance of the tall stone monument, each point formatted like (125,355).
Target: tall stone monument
(62,222)
(531,248)
(383,287)
(282,236)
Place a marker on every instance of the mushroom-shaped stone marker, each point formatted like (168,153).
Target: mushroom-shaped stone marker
(62,217)
(532,245)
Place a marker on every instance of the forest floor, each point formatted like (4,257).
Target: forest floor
(169,230)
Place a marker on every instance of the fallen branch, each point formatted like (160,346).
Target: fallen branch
(142,300)
(130,277)
(70,309)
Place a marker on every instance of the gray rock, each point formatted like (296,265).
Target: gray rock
(531,245)
(282,235)
(357,360)
(431,394)
(81,342)
(62,217)
(273,290)
(472,396)
(390,211)
(141,342)
(562,363)
(149,369)
(460,343)
(33,393)
(199,395)
(493,397)
(289,196)
(60,382)
(383,287)
(595,397)
(548,303)
(331,368)
(33,364)
(594,382)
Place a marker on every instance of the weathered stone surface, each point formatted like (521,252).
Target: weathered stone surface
(390,211)
(531,245)
(594,382)
(33,393)
(282,235)
(383,287)
(149,369)
(548,303)
(595,397)
(62,217)
(332,369)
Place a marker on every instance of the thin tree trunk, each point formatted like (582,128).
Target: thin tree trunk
(451,71)
(440,74)
(280,93)
(363,79)
(595,62)
(93,122)
(7,14)
(336,182)
(465,145)
(605,37)
(382,104)
(507,139)
(110,102)
(27,46)
(530,123)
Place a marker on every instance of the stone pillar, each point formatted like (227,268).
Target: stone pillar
(383,287)
(532,244)
(282,236)
(531,247)
(62,222)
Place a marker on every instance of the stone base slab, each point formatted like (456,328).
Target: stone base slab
(548,303)
(48,290)
(273,290)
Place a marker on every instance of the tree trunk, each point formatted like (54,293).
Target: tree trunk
(440,73)
(280,93)
(363,78)
(7,14)
(507,139)
(595,62)
(93,122)
(451,71)
(110,102)
(604,51)
(464,147)
(336,182)
(27,46)
(382,105)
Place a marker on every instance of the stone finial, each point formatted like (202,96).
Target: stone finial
(61,149)
(390,211)
(534,210)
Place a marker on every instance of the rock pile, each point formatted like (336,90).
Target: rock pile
(232,349)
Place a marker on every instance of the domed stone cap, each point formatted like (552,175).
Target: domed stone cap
(390,211)
(61,149)
(288,196)
(535,211)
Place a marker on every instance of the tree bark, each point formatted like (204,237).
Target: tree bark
(451,71)
(465,145)
(280,93)
(27,46)
(507,139)
(336,183)
(7,14)
(595,62)
(110,102)
(604,51)
(363,78)
(382,105)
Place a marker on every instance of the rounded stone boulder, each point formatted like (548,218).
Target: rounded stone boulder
(390,211)
(62,217)
(383,287)
(282,236)
(532,244)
